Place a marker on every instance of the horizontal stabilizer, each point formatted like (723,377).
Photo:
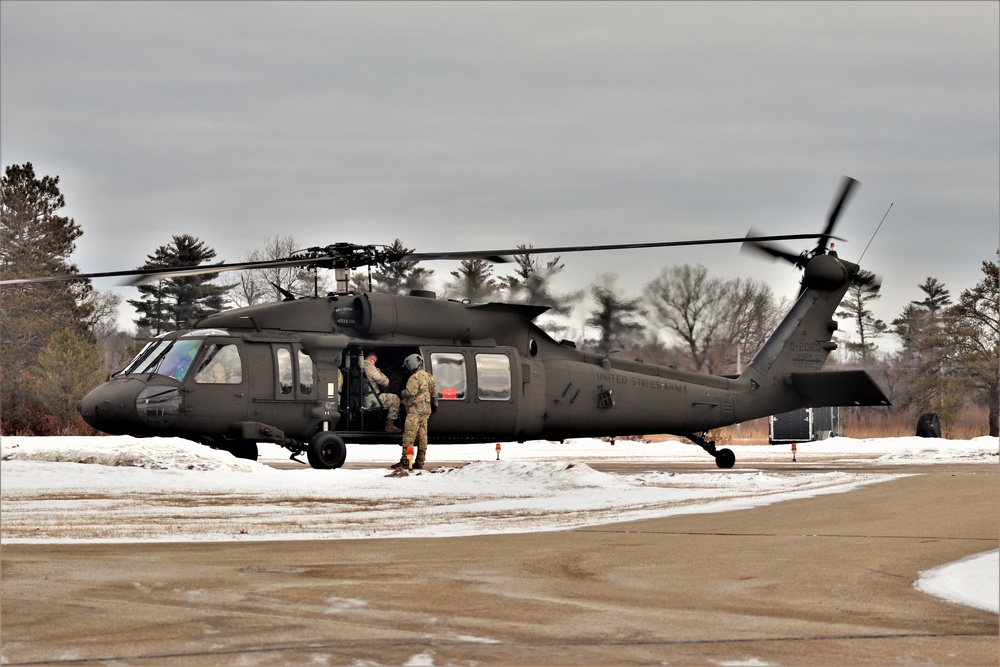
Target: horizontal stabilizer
(831,388)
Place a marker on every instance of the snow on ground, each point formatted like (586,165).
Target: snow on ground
(124,489)
(973,581)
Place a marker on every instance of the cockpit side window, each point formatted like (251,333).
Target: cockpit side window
(221,365)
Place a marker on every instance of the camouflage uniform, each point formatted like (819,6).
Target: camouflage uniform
(419,397)
(379,380)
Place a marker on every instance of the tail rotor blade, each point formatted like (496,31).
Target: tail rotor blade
(770,250)
(847,187)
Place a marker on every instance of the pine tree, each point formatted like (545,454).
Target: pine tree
(174,303)
(973,325)
(855,309)
(473,281)
(68,368)
(532,283)
(400,277)
(936,297)
(35,241)
(614,316)
(924,357)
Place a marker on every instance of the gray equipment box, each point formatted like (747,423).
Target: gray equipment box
(805,425)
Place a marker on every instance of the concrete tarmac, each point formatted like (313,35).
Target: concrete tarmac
(820,581)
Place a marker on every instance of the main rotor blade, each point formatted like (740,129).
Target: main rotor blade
(495,255)
(148,276)
(334,258)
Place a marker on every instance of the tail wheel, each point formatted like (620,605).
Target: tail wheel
(326,451)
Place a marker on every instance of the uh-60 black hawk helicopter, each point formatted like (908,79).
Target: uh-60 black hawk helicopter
(291,372)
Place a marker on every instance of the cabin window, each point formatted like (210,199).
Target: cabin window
(449,374)
(493,375)
(285,376)
(305,374)
(222,365)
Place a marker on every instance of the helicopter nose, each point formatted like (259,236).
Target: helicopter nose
(128,406)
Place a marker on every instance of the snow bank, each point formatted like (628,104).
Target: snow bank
(123,489)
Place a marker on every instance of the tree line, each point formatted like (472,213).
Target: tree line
(59,339)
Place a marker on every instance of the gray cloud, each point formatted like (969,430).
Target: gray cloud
(465,125)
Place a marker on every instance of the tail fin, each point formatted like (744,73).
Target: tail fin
(785,373)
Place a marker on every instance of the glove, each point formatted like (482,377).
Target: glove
(434,408)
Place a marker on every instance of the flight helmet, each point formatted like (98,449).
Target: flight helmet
(413,362)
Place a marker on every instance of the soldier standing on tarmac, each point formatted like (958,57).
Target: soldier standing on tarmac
(389,401)
(420,399)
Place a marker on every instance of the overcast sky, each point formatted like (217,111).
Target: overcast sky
(460,126)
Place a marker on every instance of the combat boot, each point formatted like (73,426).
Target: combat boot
(403,463)
(418,463)
(392,428)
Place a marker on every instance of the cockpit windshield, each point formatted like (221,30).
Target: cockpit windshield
(143,353)
(172,358)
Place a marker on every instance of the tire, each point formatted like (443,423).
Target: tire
(725,458)
(326,451)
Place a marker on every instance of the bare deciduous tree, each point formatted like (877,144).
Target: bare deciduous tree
(716,320)
(263,285)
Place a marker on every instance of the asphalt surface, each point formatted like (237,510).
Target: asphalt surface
(819,581)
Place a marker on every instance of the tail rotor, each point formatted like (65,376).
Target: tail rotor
(847,187)
(821,266)
(774,251)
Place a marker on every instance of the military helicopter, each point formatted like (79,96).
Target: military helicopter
(291,372)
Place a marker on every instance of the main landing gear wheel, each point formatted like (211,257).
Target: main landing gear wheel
(326,451)
(724,458)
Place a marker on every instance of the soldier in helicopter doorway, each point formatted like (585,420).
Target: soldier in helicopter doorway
(420,400)
(379,382)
